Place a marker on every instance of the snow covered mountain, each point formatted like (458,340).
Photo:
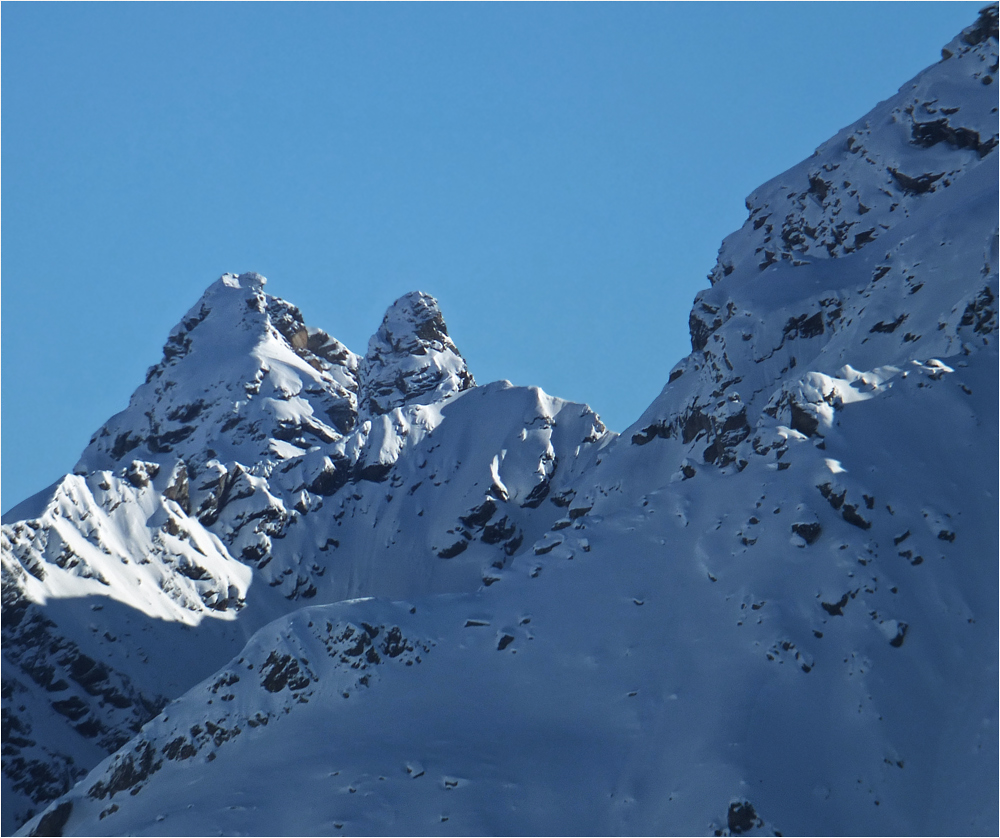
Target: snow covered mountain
(291,590)
(243,482)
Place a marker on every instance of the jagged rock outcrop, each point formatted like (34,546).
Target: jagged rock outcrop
(411,359)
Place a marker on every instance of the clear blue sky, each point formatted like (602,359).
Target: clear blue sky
(560,176)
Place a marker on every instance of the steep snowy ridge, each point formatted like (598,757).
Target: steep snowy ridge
(103,545)
(888,297)
(856,184)
(365,596)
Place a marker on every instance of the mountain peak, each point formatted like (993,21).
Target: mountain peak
(411,359)
(419,314)
(250,280)
(242,377)
(232,300)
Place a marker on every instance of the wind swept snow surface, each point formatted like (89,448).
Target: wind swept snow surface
(291,590)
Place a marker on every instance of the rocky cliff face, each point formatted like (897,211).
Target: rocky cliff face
(368,596)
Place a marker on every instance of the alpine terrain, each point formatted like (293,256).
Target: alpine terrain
(296,590)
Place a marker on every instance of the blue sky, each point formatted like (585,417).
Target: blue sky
(559,176)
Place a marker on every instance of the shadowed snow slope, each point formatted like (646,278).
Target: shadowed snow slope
(306,593)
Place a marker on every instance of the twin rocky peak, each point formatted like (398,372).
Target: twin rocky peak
(244,378)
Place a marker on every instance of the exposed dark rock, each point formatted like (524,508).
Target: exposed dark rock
(394,644)
(803,420)
(177,346)
(850,514)
(564,498)
(412,328)
(809,532)
(694,423)
(818,187)
(804,326)
(123,444)
(479,515)
(186,412)
(375,473)
(330,480)
(547,547)
(455,549)
(537,495)
(734,430)
(742,817)
(835,498)
(179,748)
(129,770)
(984,27)
(890,327)
(88,673)
(284,672)
(52,823)
(178,489)
(164,442)
(342,416)
(981,313)
(72,708)
(701,324)
(927,134)
(512,544)
(836,609)
(139,473)
(863,238)
(648,434)
(498,531)
(916,185)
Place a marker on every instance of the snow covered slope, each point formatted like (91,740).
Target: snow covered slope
(242,482)
(768,606)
